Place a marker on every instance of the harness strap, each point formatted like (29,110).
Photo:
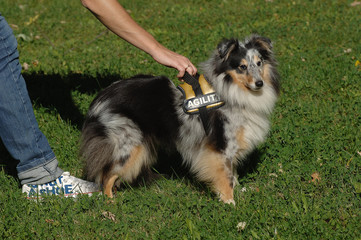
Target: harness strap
(193,81)
(203,112)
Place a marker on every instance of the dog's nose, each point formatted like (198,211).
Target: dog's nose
(259,83)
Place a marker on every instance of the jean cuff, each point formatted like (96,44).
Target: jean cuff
(44,173)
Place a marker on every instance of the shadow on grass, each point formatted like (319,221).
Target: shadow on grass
(54,91)
(7,163)
(170,164)
(250,164)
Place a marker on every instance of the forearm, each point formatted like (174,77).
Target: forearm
(114,17)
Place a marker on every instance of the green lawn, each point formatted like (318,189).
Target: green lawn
(304,182)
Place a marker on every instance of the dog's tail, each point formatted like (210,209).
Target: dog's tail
(96,152)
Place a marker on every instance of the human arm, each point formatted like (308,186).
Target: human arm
(116,18)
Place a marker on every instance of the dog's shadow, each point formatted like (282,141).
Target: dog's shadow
(170,164)
(54,92)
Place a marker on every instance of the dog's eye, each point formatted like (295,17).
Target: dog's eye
(259,63)
(243,67)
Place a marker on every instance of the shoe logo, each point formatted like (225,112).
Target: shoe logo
(52,188)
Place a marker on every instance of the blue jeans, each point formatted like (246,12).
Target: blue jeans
(19,129)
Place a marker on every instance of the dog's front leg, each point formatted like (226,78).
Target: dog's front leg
(212,167)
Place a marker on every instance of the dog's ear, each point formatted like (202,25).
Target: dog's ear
(261,42)
(226,47)
(265,43)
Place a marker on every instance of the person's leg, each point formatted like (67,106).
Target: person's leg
(38,168)
(19,130)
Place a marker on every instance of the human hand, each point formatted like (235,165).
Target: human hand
(169,58)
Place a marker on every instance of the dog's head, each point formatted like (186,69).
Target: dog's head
(249,64)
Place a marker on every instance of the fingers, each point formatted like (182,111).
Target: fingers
(172,59)
(190,68)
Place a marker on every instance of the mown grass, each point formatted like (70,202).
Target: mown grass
(304,182)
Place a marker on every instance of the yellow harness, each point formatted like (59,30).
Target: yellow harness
(199,97)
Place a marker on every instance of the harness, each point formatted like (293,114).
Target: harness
(199,98)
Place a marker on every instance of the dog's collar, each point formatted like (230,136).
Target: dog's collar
(199,98)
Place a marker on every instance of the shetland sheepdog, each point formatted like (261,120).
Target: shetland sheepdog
(129,119)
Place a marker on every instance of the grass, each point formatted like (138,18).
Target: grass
(304,182)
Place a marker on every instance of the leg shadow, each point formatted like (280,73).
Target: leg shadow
(7,163)
(249,165)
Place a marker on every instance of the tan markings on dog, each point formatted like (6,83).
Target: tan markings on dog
(244,62)
(134,165)
(243,145)
(249,78)
(212,167)
(266,75)
(238,79)
(229,164)
(129,171)
(246,77)
(256,59)
(264,44)
(231,48)
(108,185)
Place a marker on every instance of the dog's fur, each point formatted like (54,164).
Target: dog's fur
(130,118)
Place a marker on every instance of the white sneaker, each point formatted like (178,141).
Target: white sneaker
(65,185)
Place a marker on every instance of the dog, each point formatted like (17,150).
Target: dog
(130,119)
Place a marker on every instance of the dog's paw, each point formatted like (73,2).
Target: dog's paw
(230,201)
(226,200)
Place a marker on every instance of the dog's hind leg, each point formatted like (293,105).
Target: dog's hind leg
(212,167)
(129,170)
(108,185)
